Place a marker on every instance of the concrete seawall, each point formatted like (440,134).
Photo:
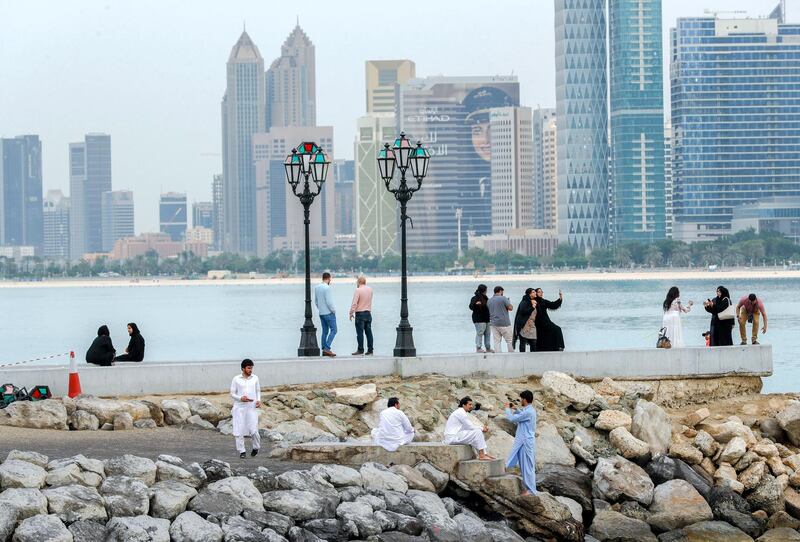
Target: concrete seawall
(215,376)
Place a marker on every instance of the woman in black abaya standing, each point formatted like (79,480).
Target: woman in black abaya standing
(525,323)
(549,336)
(721,330)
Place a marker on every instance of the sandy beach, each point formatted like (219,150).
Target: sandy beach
(548,276)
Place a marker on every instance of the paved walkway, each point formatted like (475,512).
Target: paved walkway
(189,445)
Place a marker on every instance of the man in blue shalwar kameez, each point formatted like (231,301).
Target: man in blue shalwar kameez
(523,453)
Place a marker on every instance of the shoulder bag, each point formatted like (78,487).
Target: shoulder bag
(729,313)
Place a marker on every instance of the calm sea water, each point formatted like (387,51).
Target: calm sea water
(185,323)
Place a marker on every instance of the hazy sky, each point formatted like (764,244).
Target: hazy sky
(152,72)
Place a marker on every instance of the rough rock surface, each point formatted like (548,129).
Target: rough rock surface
(613,526)
(616,478)
(677,504)
(565,387)
(652,425)
(551,448)
(40,528)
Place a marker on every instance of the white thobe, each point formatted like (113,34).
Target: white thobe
(245,414)
(394,429)
(459,430)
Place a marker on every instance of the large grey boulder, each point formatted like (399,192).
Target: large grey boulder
(47,414)
(9,516)
(18,473)
(27,501)
(566,481)
(399,503)
(434,515)
(238,529)
(356,396)
(175,412)
(106,409)
(207,410)
(500,532)
(333,530)
(137,529)
(438,478)
(729,506)
(133,466)
(31,457)
(306,481)
(125,496)
(213,503)
(568,389)
(217,470)
(413,477)
(170,468)
(72,474)
(264,480)
(41,528)
(189,527)
(616,478)
(652,425)
(782,534)
(613,526)
(80,420)
(169,499)
(274,521)
(359,513)
(94,466)
(338,475)
(377,477)
(676,504)
(715,531)
(241,490)
(663,469)
(767,496)
(300,431)
(789,420)
(627,445)
(88,531)
(472,529)
(551,448)
(75,503)
(299,505)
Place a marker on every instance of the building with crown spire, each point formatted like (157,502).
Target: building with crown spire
(291,84)
(243,115)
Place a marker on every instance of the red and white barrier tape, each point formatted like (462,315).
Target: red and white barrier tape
(52,356)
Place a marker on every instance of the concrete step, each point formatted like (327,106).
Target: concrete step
(442,456)
(475,471)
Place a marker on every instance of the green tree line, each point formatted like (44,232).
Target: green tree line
(741,249)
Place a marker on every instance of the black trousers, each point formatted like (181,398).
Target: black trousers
(530,342)
(125,357)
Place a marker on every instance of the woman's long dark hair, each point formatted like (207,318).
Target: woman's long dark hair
(672,295)
(723,292)
(135,328)
(481,289)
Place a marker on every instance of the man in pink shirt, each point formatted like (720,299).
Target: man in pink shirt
(749,308)
(361,308)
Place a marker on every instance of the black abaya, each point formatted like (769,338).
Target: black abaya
(549,336)
(721,330)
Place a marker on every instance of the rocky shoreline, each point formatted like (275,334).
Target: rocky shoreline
(623,460)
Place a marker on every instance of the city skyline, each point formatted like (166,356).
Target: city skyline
(180,137)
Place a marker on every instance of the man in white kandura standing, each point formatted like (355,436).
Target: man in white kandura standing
(394,429)
(246,394)
(460,430)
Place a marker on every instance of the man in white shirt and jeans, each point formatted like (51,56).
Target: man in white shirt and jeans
(460,430)
(394,429)
(246,395)
(499,307)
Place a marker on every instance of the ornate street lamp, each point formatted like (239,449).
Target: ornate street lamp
(307,161)
(403,155)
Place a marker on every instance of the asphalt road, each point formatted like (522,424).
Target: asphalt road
(190,445)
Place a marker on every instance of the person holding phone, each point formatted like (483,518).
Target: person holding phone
(549,337)
(671,322)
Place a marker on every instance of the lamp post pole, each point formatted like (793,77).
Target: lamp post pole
(307,161)
(403,156)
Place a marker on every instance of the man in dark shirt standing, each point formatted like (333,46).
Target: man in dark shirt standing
(499,307)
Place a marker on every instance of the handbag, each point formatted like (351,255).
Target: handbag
(729,313)
(663,341)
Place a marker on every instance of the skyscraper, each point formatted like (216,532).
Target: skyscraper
(343,173)
(203,215)
(580,30)
(242,116)
(279,212)
(117,216)
(451,116)
(735,122)
(172,215)
(291,84)
(512,168)
(382,80)
(637,120)
(376,221)
(669,185)
(56,225)
(21,192)
(545,177)
(89,177)
(218,211)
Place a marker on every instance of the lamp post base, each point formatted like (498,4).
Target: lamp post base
(308,342)
(404,346)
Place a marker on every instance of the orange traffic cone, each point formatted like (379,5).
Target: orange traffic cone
(74,378)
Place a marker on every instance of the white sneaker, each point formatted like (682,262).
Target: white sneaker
(480,350)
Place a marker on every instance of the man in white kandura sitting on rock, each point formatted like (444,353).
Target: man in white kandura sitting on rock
(460,430)
(394,429)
